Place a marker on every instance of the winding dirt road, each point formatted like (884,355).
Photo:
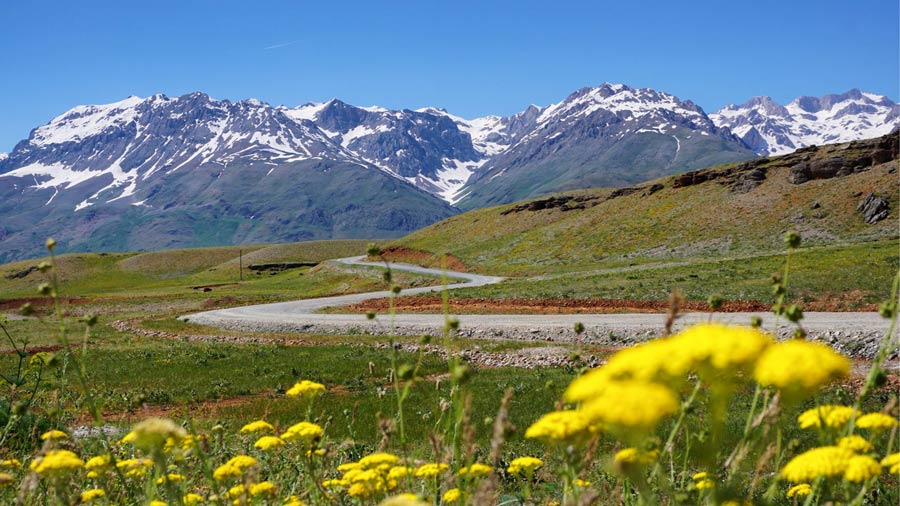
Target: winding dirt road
(853,333)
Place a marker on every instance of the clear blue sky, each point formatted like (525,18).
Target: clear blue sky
(471,57)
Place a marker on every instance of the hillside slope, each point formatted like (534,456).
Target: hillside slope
(726,210)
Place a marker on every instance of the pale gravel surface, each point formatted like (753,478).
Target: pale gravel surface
(855,334)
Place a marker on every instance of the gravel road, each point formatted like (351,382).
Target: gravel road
(855,334)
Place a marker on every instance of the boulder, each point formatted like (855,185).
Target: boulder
(873,208)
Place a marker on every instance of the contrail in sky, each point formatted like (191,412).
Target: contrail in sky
(274,46)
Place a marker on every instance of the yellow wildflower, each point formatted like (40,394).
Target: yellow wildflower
(801,490)
(10,464)
(361,490)
(293,500)
(377,459)
(892,462)
(318,453)
(704,484)
(173,477)
(303,431)
(335,483)
(306,389)
(347,466)
(399,472)
(94,493)
(633,405)
(658,360)
(799,368)
(431,470)
(476,470)
(700,476)
(403,500)
(257,427)
(54,435)
(152,433)
(237,491)
(825,461)
(192,499)
(582,483)
(97,463)
(227,471)
(834,417)
(722,348)
(524,466)
(876,422)
(855,443)
(158,503)
(262,488)
(861,468)
(56,464)
(635,456)
(451,496)
(266,443)
(134,468)
(562,427)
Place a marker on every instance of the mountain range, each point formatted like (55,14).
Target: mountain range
(192,171)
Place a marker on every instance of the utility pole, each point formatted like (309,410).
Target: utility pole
(241,263)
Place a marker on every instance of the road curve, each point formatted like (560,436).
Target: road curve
(864,329)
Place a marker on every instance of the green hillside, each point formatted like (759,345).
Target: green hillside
(717,230)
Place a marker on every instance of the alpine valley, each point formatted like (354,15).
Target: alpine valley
(165,172)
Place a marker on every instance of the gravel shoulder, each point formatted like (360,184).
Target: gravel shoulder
(855,334)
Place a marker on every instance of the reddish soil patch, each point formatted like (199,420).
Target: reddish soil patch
(203,409)
(432,304)
(417,257)
(845,301)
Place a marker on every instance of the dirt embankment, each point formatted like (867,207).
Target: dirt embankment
(405,255)
(432,304)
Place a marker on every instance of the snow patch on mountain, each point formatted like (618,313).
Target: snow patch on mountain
(86,120)
(772,129)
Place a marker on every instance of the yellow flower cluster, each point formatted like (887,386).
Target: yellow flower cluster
(451,496)
(154,433)
(892,462)
(830,462)
(235,468)
(373,474)
(56,464)
(307,432)
(267,443)
(801,490)
(630,405)
(855,443)
(92,494)
(562,427)
(257,427)
(431,470)
(524,466)
(54,435)
(635,456)
(798,368)
(476,470)
(306,389)
(876,422)
(134,468)
(828,415)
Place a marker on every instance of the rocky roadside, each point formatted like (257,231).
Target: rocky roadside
(528,358)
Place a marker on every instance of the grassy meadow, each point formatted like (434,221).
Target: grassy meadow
(709,416)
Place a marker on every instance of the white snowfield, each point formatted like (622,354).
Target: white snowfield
(301,316)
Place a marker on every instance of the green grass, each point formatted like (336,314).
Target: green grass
(817,274)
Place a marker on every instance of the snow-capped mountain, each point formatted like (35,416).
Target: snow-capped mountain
(191,170)
(770,128)
(610,135)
